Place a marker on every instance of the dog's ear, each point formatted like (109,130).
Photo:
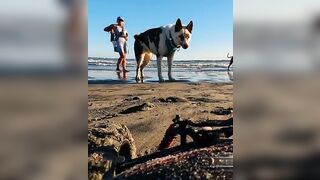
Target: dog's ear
(178,26)
(190,26)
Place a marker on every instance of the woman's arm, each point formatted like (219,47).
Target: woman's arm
(109,28)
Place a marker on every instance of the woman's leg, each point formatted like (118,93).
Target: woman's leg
(124,62)
(119,61)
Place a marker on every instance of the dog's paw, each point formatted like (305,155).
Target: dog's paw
(161,80)
(138,78)
(172,79)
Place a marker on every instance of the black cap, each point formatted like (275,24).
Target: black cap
(119,19)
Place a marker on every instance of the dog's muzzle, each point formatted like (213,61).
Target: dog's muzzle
(185,46)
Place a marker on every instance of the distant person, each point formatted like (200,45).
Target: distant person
(119,38)
(231,61)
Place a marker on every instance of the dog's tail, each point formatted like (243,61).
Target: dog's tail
(137,47)
(136,37)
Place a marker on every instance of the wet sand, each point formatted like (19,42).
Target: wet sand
(148,109)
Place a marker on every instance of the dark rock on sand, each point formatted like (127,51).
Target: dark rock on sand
(195,83)
(162,100)
(132,98)
(142,107)
(202,99)
(173,99)
(222,111)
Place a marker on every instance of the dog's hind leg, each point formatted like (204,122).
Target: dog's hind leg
(146,60)
(159,63)
(138,51)
(139,64)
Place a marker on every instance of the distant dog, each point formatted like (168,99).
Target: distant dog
(163,42)
(231,61)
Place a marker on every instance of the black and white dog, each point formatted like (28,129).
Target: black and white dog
(163,42)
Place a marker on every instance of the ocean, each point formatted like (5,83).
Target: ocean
(102,71)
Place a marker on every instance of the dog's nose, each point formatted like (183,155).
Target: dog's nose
(185,46)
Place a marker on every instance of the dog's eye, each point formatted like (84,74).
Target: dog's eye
(187,37)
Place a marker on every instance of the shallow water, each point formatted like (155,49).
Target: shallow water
(102,71)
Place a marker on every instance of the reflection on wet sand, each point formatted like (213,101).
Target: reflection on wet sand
(124,75)
(230,75)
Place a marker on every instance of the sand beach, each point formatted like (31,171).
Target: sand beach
(148,109)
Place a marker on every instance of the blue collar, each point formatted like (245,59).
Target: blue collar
(172,47)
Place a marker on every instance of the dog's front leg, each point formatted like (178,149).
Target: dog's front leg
(170,61)
(159,63)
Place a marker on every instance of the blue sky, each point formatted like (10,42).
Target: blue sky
(212,36)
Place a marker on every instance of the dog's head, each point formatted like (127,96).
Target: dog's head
(182,34)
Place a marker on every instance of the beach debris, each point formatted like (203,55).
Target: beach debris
(176,99)
(143,107)
(195,83)
(202,99)
(162,99)
(214,162)
(173,99)
(222,111)
(132,98)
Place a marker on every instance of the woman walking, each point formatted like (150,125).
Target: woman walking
(231,61)
(119,37)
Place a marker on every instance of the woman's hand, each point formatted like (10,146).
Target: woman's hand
(125,36)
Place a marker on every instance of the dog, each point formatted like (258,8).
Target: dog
(163,42)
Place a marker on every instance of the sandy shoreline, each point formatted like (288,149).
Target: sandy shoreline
(147,109)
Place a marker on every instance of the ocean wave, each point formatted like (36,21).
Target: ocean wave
(176,64)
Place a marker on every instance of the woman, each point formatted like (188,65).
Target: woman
(231,61)
(120,38)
